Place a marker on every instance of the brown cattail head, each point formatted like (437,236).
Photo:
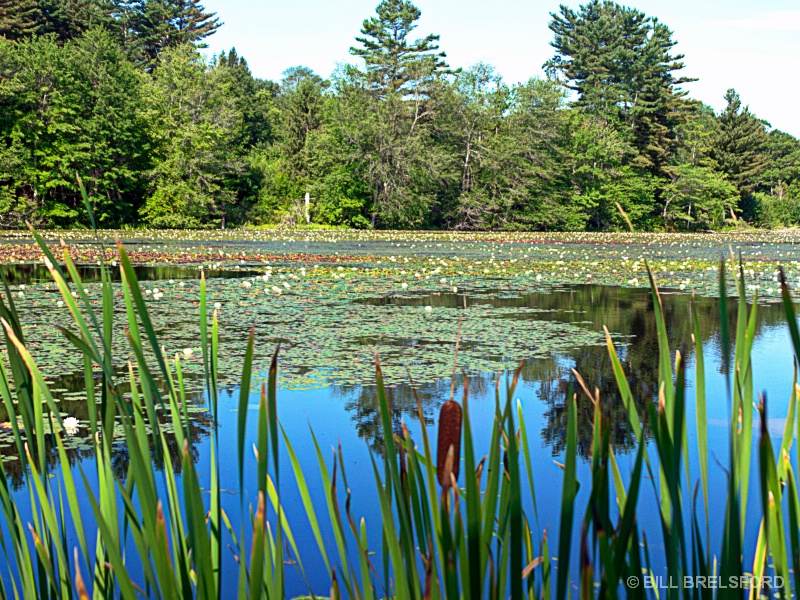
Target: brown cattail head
(449,437)
(335,594)
(80,585)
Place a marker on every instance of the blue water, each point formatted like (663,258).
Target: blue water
(340,415)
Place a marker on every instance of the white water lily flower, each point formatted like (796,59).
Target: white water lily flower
(455,289)
(404,285)
(71,425)
(147,292)
(247,284)
(443,280)
(428,308)
(60,303)
(217,305)
(182,284)
(286,285)
(276,289)
(188,351)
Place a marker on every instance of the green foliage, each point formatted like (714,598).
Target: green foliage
(69,109)
(390,143)
(68,19)
(193,118)
(778,210)
(600,176)
(162,24)
(448,530)
(394,63)
(700,195)
(19,18)
(619,61)
(277,190)
(740,145)
(116,90)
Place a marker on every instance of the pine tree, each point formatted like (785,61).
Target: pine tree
(620,63)
(740,145)
(301,101)
(394,63)
(166,23)
(387,111)
(19,18)
(193,23)
(71,18)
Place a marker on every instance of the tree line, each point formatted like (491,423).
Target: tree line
(119,92)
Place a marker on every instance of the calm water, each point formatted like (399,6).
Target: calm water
(28,273)
(347,415)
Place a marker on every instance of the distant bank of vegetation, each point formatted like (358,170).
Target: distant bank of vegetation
(118,91)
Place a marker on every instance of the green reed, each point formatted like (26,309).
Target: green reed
(453,520)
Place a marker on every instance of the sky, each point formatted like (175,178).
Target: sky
(753,47)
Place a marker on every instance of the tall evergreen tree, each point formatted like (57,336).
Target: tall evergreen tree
(394,63)
(394,101)
(255,98)
(19,18)
(741,144)
(71,18)
(166,23)
(620,63)
(301,101)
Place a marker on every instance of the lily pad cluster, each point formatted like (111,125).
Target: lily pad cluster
(328,325)
(332,298)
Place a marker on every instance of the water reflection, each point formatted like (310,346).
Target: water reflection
(70,394)
(628,313)
(625,311)
(28,273)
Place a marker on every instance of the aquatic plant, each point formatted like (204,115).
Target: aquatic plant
(452,529)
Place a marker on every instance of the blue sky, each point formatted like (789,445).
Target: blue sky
(751,46)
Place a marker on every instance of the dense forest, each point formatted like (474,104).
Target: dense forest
(119,92)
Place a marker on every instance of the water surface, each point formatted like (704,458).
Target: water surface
(347,413)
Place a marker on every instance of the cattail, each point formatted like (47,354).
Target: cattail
(447,460)
(79,583)
(335,594)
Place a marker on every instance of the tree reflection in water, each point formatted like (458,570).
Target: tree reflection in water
(27,273)
(78,448)
(628,315)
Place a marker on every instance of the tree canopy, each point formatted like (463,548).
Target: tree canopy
(119,92)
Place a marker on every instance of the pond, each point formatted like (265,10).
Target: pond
(328,330)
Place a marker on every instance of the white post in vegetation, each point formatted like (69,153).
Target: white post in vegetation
(308,203)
